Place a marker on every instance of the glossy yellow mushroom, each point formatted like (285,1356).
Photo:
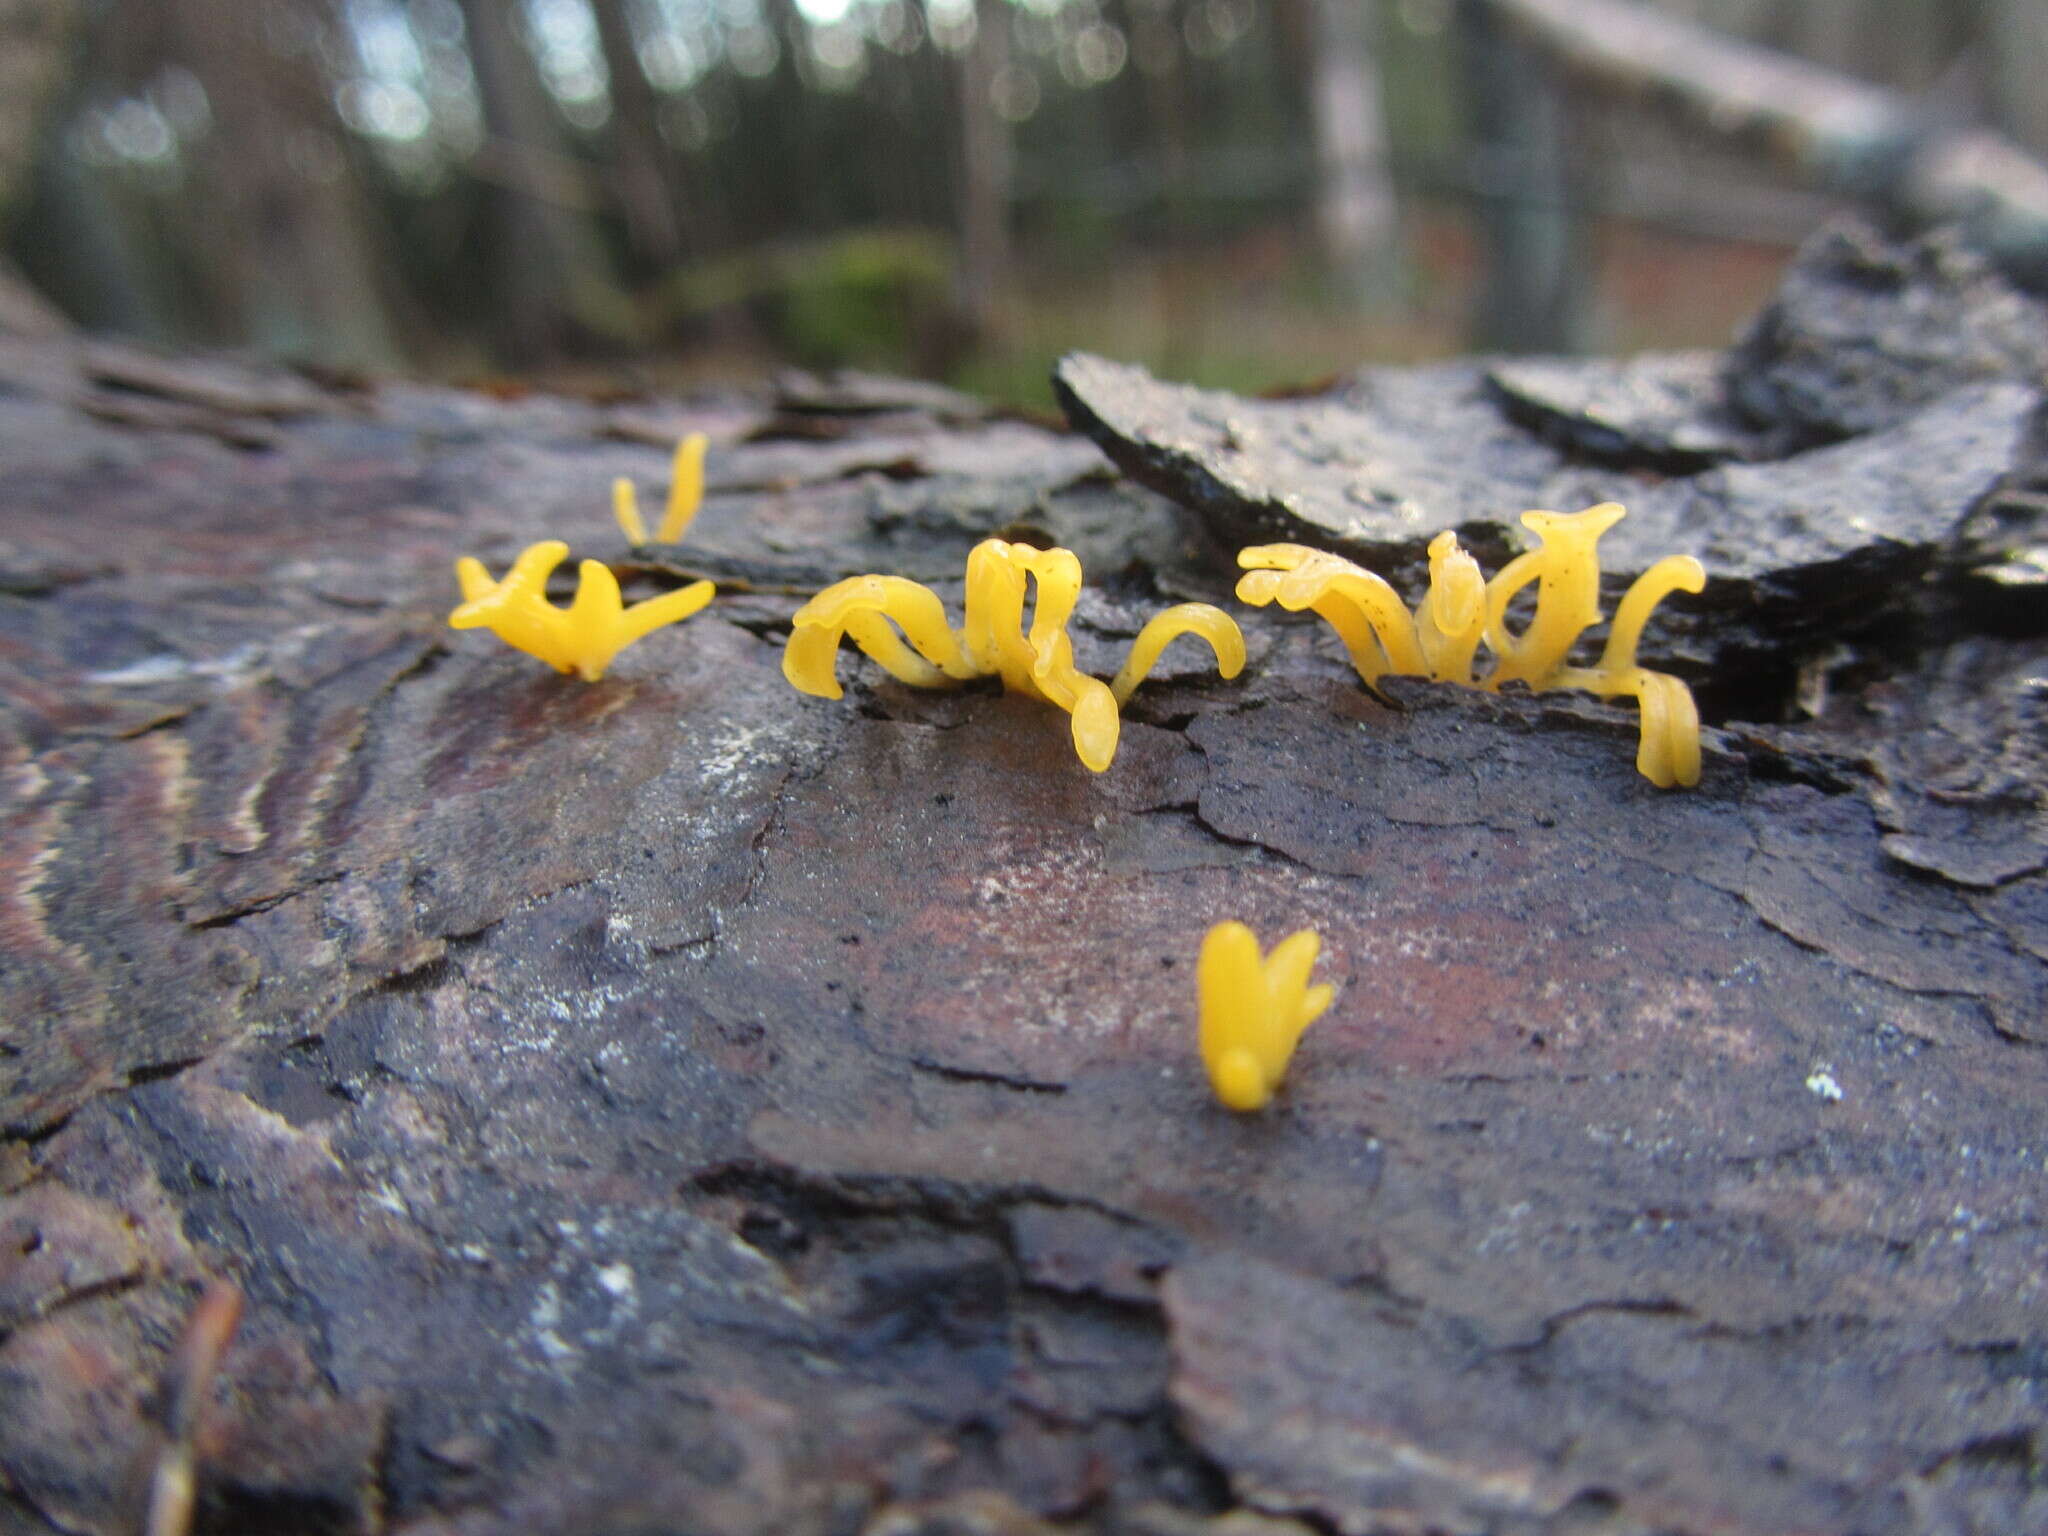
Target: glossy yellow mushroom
(902,627)
(1450,620)
(582,638)
(1366,613)
(1461,610)
(1253,1010)
(685,496)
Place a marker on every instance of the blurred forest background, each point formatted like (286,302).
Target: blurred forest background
(1232,192)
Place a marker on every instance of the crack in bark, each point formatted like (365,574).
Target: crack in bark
(974,1075)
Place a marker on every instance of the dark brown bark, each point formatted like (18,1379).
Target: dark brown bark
(678,1103)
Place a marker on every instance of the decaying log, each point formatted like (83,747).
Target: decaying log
(676,1103)
(1843,134)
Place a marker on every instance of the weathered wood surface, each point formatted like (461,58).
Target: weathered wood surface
(677,1104)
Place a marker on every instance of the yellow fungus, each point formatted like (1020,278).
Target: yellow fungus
(685,496)
(1253,1010)
(1033,656)
(1461,610)
(582,638)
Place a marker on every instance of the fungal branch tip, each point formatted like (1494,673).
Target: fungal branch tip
(1254,1009)
(685,496)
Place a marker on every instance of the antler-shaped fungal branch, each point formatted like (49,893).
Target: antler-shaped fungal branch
(582,638)
(994,640)
(1461,609)
(1253,1011)
(685,496)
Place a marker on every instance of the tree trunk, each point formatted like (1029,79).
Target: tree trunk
(641,165)
(1355,209)
(550,277)
(983,191)
(1537,287)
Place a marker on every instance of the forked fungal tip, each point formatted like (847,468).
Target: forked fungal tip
(1253,1010)
(582,638)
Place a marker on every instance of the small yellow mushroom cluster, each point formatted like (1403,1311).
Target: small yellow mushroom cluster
(994,641)
(1461,608)
(685,496)
(584,637)
(1253,1010)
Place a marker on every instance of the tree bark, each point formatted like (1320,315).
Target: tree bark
(677,1102)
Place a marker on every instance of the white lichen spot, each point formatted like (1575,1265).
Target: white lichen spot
(734,748)
(553,1345)
(617,1279)
(1822,1085)
(544,1319)
(167,667)
(547,1306)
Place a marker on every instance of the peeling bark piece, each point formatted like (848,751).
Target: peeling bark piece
(1957,750)
(1864,333)
(1826,536)
(1963,764)
(847,391)
(1372,471)
(2001,548)
(1819,879)
(1666,410)
(1073,1248)
(1796,549)
(213,383)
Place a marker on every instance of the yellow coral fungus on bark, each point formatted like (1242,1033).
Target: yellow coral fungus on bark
(582,638)
(1254,1010)
(1461,610)
(994,640)
(685,496)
